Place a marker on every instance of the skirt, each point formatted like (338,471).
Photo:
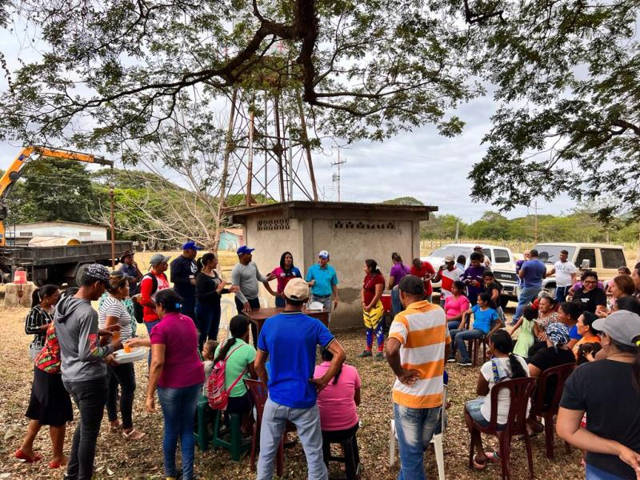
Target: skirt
(49,403)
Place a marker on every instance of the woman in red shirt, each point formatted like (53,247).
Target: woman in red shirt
(372,309)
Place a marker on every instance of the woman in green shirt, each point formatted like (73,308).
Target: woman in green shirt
(240,356)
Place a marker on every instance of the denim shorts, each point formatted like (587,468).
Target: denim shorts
(473,409)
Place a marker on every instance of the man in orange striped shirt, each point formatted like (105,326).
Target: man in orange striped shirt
(416,351)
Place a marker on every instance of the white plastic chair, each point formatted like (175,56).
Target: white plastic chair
(435,439)
(227,311)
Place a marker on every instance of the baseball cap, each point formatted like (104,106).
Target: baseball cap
(412,285)
(449,258)
(158,258)
(244,249)
(97,272)
(323,254)
(623,326)
(191,245)
(297,289)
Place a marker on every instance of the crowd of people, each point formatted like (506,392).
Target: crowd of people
(586,322)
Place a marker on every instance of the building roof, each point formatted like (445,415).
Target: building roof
(295,209)
(57,224)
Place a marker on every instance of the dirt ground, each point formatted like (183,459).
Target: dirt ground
(118,459)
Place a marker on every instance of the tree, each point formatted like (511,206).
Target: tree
(120,68)
(53,190)
(566,76)
(411,201)
(442,226)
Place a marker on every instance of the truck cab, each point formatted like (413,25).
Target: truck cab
(603,258)
(502,263)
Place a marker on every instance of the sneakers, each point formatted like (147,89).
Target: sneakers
(379,356)
(451,360)
(366,353)
(465,363)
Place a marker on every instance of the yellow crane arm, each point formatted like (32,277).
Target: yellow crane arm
(27,154)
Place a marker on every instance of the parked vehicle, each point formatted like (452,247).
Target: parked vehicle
(603,258)
(502,263)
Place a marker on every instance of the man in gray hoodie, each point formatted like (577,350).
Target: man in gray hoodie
(84,372)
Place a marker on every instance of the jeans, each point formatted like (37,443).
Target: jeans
(149,326)
(179,411)
(89,397)
(594,473)
(307,422)
(458,337)
(414,427)
(207,322)
(561,294)
(123,375)
(396,304)
(527,295)
(188,307)
(453,324)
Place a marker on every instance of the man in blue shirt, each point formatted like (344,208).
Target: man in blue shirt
(323,281)
(531,274)
(289,341)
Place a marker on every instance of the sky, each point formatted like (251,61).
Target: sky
(420,164)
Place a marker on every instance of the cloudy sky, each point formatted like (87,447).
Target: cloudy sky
(420,164)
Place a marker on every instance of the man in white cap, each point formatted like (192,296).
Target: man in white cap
(289,341)
(323,281)
(447,274)
(608,391)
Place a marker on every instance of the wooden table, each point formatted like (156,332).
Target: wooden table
(258,317)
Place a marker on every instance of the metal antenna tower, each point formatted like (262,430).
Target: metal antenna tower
(336,176)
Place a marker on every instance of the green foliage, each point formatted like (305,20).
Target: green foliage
(50,190)
(566,76)
(411,201)
(581,225)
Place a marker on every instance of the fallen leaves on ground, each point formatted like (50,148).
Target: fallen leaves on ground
(128,460)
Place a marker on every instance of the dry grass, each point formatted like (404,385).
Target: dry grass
(143,460)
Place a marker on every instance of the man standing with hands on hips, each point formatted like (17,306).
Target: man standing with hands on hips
(323,281)
(183,277)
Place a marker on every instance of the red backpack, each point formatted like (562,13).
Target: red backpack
(217,395)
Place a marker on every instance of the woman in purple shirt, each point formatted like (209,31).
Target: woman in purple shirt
(398,270)
(178,374)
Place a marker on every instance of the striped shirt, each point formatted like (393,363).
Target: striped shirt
(36,319)
(112,307)
(422,331)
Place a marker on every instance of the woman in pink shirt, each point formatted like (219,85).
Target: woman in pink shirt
(338,403)
(178,374)
(455,305)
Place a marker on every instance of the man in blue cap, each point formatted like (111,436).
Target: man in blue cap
(183,277)
(245,275)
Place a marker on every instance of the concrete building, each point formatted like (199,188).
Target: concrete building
(351,232)
(20,234)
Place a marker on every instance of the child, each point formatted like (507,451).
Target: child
(504,365)
(208,354)
(485,322)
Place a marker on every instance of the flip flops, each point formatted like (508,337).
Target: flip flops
(20,455)
(133,434)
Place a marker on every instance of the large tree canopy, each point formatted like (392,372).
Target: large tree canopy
(564,74)
(364,69)
(567,84)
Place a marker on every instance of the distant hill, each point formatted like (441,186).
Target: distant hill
(414,202)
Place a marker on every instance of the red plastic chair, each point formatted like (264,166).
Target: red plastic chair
(520,389)
(548,410)
(258,392)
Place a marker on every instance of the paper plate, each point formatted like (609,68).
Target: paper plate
(134,355)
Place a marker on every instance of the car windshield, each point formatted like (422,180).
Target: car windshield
(551,253)
(454,250)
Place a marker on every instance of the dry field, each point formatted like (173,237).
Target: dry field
(118,459)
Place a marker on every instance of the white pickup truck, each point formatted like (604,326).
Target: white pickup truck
(503,263)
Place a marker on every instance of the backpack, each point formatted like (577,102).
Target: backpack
(217,395)
(154,282)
